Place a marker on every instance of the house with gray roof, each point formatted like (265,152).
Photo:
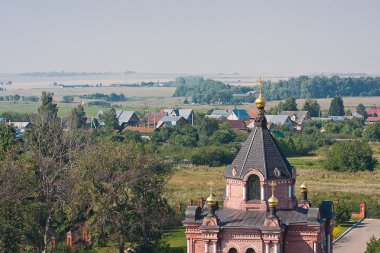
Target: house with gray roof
(187,114)
(169,121)
(298,118)
(125,118)
(279,120)
(224,113)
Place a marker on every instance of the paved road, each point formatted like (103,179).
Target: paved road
(356,240)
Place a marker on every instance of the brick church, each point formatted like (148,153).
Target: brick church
(260,212)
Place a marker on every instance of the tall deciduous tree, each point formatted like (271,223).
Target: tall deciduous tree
(312,107)
(360,108)
(110,120)
(78,117)
(119,191)
(336,107)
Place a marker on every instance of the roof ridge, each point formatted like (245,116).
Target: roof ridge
(265,154)
(279,152)
(249,149)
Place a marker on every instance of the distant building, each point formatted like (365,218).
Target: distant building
(280,120)
(154,118)
(224,113)
(298,118)
(238,114)
(373,115)
(169,121)
(125,118)
(187,114)
(235,124)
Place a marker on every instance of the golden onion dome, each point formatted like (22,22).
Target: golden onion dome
(303,187)
(260,101)
(211,200)
(272,201)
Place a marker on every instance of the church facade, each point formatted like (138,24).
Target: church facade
(260,213)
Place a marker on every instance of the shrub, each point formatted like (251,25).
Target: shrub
(373,246)
(350,156)
(343,213)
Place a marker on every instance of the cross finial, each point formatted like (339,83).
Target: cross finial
(273,186)
(260,84)
(211,184)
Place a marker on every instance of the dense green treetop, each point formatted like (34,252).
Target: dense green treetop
(360,108)
(312,107)
(336,107)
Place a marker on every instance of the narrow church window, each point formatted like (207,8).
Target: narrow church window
(232,250)
(253,188)
(250,250)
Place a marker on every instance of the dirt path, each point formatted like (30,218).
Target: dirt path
(356,240)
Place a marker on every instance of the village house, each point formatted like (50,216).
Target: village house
(298,118)
(238,114)
(280,120)
(168,121)
(373,115)
(187,114)
(223,113)
(260,212)
(125,118)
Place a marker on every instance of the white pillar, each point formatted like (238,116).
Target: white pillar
(315,247)
(290,191)
(266,247)
(188,245)
(215,246)
(206,247)
(262,193)
(227,189)
(244,193)
(276,248)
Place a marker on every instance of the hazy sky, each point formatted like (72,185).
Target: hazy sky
(190,36)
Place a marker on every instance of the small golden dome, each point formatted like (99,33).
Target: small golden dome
(303,187)
(211,200)
(272,201)
(260,101)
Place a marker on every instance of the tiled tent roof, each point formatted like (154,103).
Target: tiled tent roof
(260,152)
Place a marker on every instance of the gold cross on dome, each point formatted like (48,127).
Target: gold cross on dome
(260,84)
(273,186)
(211,184)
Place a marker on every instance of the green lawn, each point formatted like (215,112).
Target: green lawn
(176,239)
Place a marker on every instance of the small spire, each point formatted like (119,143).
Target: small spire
(260,101)
(303,187)
(273,201)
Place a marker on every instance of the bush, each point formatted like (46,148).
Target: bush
(350,156)
(343,213)
(212,156)
(373,246)
(372,132)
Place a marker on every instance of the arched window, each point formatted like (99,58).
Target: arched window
(253,189)
(232,250)
(250,250)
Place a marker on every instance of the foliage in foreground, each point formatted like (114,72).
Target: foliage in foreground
(373,246)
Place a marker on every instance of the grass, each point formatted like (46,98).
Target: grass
(176,239)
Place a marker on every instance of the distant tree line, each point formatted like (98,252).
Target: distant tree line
(19,98)
(113,97)
(322,87)
(208,91)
